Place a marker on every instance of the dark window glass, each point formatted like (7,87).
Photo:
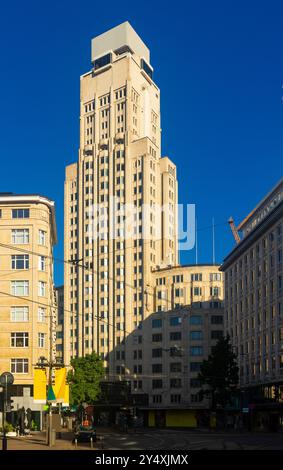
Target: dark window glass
(106,59)
(146,68)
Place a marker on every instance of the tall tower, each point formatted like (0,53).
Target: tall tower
(108,279)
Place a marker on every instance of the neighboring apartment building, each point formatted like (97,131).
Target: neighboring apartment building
(171,344)
(254,300)
(106,278)
(27,301)
(60,323)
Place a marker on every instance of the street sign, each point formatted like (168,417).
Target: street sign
(245,410)
(6,379)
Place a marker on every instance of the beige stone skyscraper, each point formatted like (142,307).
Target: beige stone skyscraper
(109,277)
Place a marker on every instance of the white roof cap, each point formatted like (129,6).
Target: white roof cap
(115,38)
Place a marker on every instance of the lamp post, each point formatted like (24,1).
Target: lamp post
(43,363)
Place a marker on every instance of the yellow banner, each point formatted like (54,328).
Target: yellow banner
(66,396)
(61,388)
(39,389)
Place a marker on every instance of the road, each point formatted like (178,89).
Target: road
(158,439)
(189,440)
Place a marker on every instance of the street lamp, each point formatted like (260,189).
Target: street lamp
(43,363)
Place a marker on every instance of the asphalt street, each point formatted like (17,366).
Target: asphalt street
(157,439)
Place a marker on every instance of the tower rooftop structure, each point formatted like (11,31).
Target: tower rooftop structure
(119,39)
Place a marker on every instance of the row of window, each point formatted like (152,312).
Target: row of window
(194,277)
(175,398)
(158,352)
(22,237)
(22,262)
(194,335)
(21,314)
(21,340)
(193,320)
(179,292)
(22,288)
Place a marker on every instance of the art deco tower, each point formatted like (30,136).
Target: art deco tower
(108,279)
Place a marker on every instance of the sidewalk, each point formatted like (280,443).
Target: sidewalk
(37,441)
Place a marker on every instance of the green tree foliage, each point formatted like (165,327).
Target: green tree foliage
(221,373)
(84,379)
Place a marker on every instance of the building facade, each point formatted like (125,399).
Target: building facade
(59,292)
(27,300)
(168,349)
(254,301)
(116,189)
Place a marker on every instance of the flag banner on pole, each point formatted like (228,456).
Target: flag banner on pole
(67,395)
(60,383)
(61,388)
(40,382)
(50,394)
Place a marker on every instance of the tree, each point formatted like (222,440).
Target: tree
(220,372)
(84,379)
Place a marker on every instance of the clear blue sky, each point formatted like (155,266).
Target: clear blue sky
(219,65)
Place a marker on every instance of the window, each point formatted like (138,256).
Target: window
(196,277)
(157,398)
(195,383)
(101,62)
(41,340)
(20,236)
(157,338)
(196,335)
(42,263)
(156,368)
(196,351)
(176,367)
(179,292)
(216,319)
(195,398)
(216,334)
(19,366)
(175,336)
(175,398)
(42,237)
(157,323)
(19,340)
(215,291)
(20,261)
(19,314)
(175,321)
(157,352)
(197,291)
(157,383)
(195,320)
(20,287)
(42,289)
(20,213)
(175,383)
(41,315)
(215,277)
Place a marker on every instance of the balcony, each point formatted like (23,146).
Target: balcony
(119,137)
(88,150)
(103,143)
